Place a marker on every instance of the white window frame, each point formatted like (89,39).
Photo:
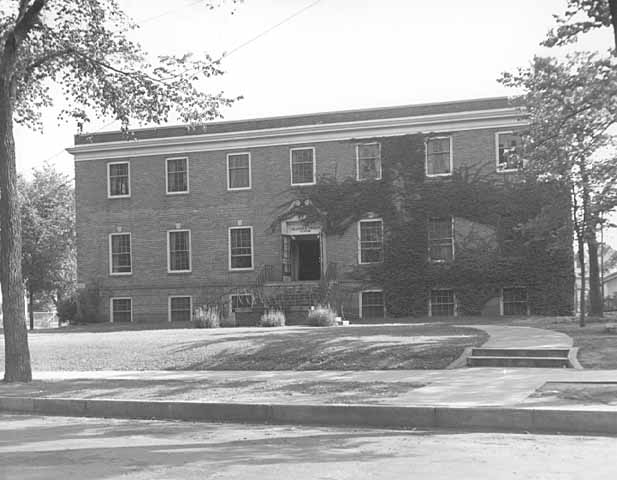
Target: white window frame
(109,164)
(169,298)
(501,309)
(190,269)
(374,290)
(111,307)
(497,165)
(291,172)
(452,225)
(430,301)
(111,264)
(359,246)
(188,188)
(252,267)
(231,303)
(432,175)
(236,189)
(358,145)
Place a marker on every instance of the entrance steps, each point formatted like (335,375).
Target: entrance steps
(519,357)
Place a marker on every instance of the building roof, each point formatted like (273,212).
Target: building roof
(323,118)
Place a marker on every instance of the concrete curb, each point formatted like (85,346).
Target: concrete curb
(573,358)
(376,416)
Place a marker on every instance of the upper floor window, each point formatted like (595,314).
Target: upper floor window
(368,161)
(302,164)
(177,175)
(507,145)
(439,156)
(241,248)
(238,171)
(441,239)
(370,236)
(120,254)
(118,180)
(179,251)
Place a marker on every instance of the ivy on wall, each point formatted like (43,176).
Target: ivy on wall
(520,254)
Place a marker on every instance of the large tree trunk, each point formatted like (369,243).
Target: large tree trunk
(595,288)
(16,351)
(613,9)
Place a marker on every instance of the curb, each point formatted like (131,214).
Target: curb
(376,416)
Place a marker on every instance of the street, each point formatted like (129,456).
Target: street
(36,447)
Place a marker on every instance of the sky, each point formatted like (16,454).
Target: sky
(332,55)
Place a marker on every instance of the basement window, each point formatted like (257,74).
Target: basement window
(514,301)
(372,304)
(442,303)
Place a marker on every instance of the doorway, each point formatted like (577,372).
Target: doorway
(308,257)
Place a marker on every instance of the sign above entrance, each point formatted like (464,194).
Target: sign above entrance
(300,228)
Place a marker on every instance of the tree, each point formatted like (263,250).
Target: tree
(48,231)
(582,16)
(572,104)
(85,48)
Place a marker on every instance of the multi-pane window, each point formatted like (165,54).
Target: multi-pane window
(240,248)
(372,304)
(507,145)
(442,303)
(440,239)
(121,310)
(179,250)
(240,301)
(177,175)
(302,166)
(180,309)
(514,300)
(370,234)
(118,181)
(368,161)
(438,156)
(238,171)
(120,253)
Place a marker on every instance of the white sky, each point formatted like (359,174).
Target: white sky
(337,54)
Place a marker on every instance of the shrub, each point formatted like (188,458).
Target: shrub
(322,316)
(67,309)
(206,317)
(272,318)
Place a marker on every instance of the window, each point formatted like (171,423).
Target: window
(440,239)
(179,251)
(507,144)
(120,254)
(180,309)
(439,156)
(302,166)
(238,171)
(241,301)
(368,161)
(372,304)
(177,175)
(118,180)
(241,248)
(514,301)
(370,237)
(121,310)
(442,303)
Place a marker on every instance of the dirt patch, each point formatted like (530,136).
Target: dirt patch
(352,392)
(583,393)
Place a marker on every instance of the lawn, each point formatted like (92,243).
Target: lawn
(362,347)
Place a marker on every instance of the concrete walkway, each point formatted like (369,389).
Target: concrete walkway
(523,337)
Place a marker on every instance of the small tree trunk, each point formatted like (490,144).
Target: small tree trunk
(595,288)
(31,307)
(612,4)
(581,258)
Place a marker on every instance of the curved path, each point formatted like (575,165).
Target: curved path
(523,337)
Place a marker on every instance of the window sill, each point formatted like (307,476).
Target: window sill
(121,274)
(176,272)
(113,197)
(177,193)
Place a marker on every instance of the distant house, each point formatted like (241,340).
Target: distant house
(169,218)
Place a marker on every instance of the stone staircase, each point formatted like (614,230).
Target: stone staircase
(519,357)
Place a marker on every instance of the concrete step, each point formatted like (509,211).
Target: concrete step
(520,352)
(533,362)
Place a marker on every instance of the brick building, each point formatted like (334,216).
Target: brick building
(169,218)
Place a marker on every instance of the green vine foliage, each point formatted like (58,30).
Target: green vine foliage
(529,242)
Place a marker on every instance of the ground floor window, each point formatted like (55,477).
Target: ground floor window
(514,301)
(442,303)
(372,304)
(121,310)
(180,309)
(240,301)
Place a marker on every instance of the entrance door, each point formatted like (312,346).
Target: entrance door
(308,257)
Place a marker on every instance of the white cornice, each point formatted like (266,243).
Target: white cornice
(495,118)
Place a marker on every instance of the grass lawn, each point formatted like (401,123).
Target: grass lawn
(362,347)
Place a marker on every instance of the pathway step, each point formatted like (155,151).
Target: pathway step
(534,362)
(521,352)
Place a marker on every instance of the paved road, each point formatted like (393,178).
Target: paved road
(60,447)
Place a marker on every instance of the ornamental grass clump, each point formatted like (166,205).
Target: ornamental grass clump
(322,316)
(207,317)
(272,318)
